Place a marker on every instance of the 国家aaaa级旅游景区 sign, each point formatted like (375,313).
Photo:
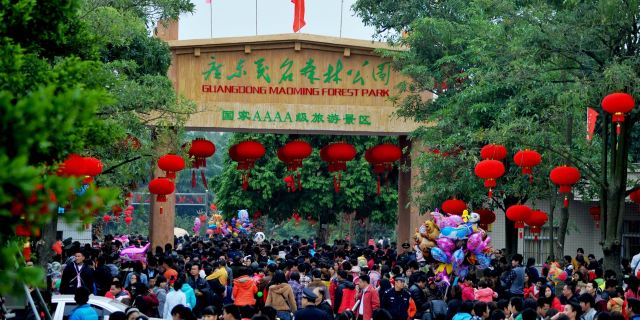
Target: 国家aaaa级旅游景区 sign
(288,83)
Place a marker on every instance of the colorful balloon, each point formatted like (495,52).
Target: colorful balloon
(439,255)
(446,244)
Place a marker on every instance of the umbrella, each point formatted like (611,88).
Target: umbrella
(179,232)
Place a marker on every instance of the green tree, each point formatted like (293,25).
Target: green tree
(519,73)
(317,200)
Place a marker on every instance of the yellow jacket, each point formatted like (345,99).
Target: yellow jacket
(220,274)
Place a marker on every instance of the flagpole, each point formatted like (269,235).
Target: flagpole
(211,19)
(256,17)
(341,11)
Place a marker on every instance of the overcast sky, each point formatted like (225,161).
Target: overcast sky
(238,18)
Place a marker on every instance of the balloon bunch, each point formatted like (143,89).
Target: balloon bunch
(454,243)
(197,223)
(237,226)
(242,224)
(217,225)
(556,274)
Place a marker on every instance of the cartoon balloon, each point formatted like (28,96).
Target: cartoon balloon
(446,244)
(458,257)
(483,261)
(474,241)
(439,255)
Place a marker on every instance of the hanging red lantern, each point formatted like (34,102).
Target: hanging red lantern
(635,196)
(382,157)
(246,153)
(536,220)
(128,220)
(337,155)
(106,218)
(454,206)
(493,152)
(565,177)
(289,181)
(200,150)
(161,187)
(23,231)
(618,104)
(292,155)
(594,212)
(518,214)
(489,170)
(171,164)
(527,159)
(487,217)
(77,166)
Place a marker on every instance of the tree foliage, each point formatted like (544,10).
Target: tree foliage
(520,74)
(268,193)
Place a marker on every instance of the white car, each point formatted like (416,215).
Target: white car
(64,305)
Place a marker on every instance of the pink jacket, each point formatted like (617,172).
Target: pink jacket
(485,294)
(467,293)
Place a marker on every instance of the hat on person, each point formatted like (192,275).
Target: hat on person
(406,245)
(401,279)
(309,294)
(355,269)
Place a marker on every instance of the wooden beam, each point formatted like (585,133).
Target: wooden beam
(196,52)
(247,49)
(347,52)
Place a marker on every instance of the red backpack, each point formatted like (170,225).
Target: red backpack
(348,299)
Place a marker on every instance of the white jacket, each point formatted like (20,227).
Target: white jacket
(174,298)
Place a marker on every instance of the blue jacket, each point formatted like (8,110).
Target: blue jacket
(191,295)
(84,312)
(462,316)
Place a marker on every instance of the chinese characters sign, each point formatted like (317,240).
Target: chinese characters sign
(298,117)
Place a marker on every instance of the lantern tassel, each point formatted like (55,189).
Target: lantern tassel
(565,203)
(161,210)
(521,233)
(193,179)
(490,193)
(535,238)
(530,178)
(204,179)
(378,186)
(299,180)
(618,129)
(245,182)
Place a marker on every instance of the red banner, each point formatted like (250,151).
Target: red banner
(592,117)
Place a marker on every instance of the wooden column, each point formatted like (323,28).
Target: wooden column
(161,225)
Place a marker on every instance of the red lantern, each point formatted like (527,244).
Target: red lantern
(487,217)
(617,104)
(171,164)
(337,155)
(518,214)
(489,170)
(565,177)
(161,187)
(493,152)
(454,206)
(635,196)
(594,212)
(106,218)
(292,155)
(200,150)
(23,231)
(527,159)
(246,153)
(77,166)
(536,220)
(382,158)
(128,220)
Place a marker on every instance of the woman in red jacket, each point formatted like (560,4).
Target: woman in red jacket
(555,302)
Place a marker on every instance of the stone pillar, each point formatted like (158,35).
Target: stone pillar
(403,226)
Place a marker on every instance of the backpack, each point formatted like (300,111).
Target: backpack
(437,310)
(348,299)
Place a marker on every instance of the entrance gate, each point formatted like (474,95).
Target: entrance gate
(286,84)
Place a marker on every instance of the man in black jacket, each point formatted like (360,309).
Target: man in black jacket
(76,274)
(201,288)
(418,295)
(310,311)
(396,300)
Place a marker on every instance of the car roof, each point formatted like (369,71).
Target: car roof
(93,300)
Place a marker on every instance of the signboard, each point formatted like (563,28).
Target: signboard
(281,86)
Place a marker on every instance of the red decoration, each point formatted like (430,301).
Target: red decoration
(617,104)
(106,218)
(161,187)
(77,166)
(337,155)
(382,158)
(23,231)
(296,217)
(57,247)
(454,206)
(487,217)
(489,170)
(536,220)
(565,177)
(246,153)
(518,214)
(171,164)
(292,155)
(128,220)
(116,210)
(202,218)
(594,212)
(257,214)
(298,15)
(200,150)
(26,251)
(527,159)
(493,152)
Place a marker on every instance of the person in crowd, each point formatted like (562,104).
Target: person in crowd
(175,297)
(551,298)
(468,293)
(181,312)
(309,310)
(168,271)
(417,291)
(543,307)
(514,279)
(587,303)
(231,312)
(296,287)
(484,293)
(160,290)
(480,311)
(323,302)
(465,311)
(76,274)
(116,292)
(367,300)
(83,311)
(209,313)
(244,289)
(568,294)
(281,296)
(345,293)
(397,300)
(633,309)
(201,288)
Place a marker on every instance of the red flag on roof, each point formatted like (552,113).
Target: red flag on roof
(298,15)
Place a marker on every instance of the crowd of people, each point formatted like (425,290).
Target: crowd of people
(237,278)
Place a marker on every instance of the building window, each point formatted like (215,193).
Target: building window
(539,249)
